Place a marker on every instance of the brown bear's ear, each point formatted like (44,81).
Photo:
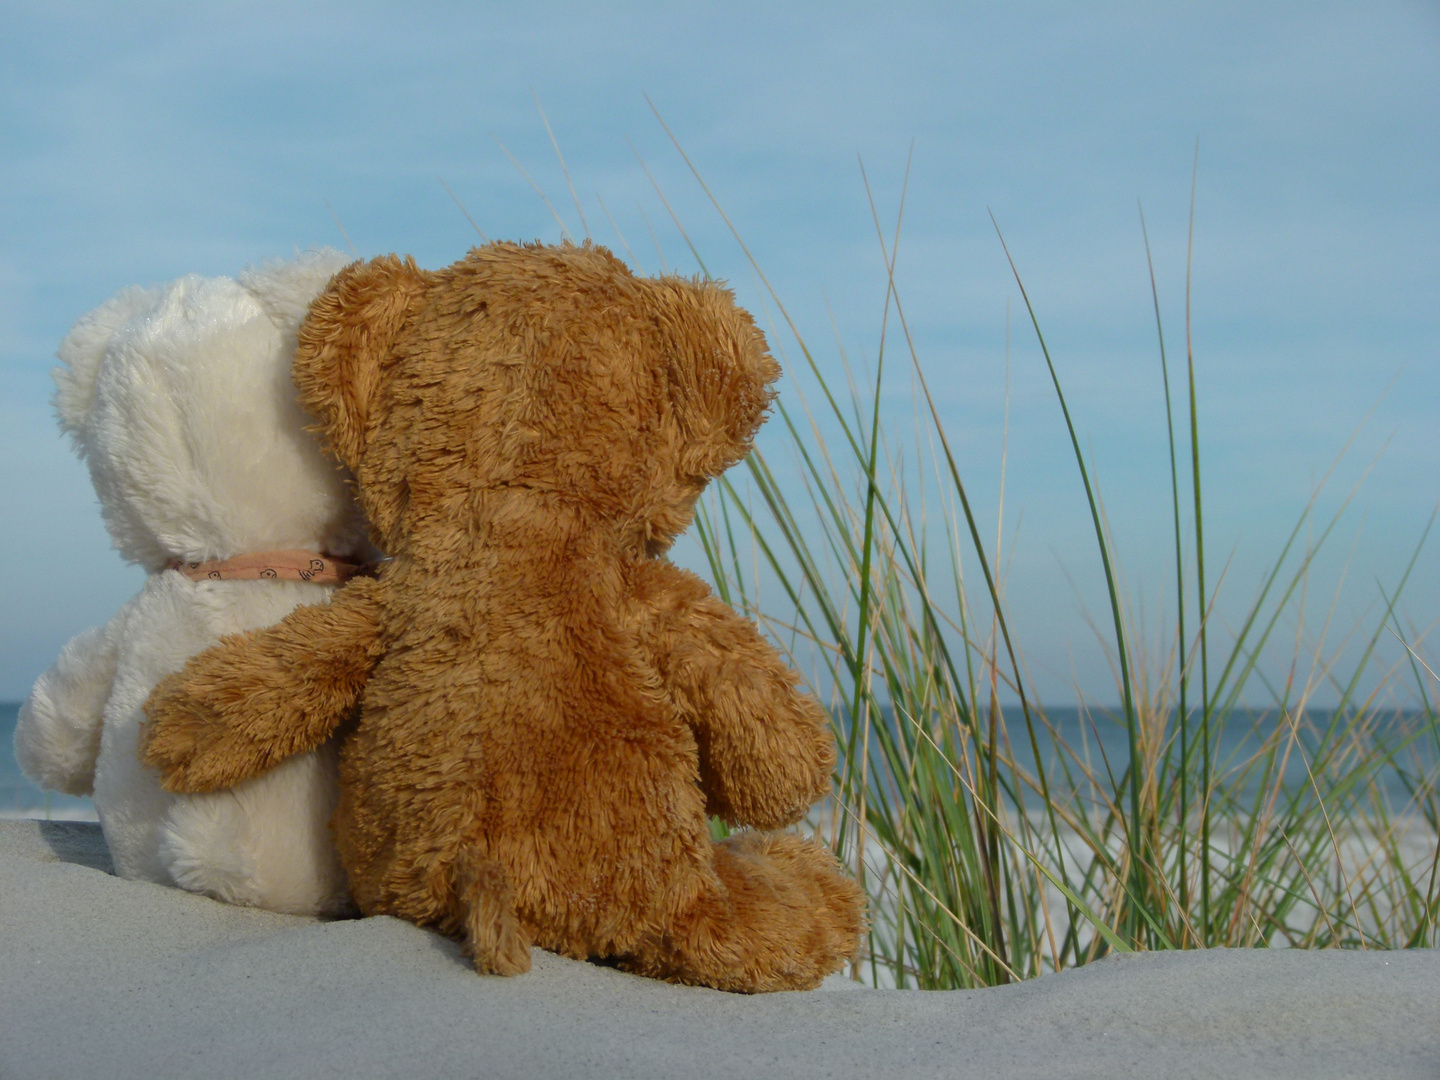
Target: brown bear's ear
(720,373)
(344,341)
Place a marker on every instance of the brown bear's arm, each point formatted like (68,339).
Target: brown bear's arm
(766,751)
(243,706)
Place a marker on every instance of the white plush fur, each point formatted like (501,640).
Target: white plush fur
(180,401)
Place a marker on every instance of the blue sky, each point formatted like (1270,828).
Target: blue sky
(142,141)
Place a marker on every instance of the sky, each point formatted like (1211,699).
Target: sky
(144,141)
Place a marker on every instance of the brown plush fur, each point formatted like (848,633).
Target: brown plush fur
(539,710)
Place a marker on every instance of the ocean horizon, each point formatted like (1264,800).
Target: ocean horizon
(1095,734)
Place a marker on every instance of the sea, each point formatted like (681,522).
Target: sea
(1400,748)
(1095,737)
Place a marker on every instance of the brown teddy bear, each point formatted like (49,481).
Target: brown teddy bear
(537,710)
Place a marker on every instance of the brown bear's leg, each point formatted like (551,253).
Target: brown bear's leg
(494,939)
(783,917)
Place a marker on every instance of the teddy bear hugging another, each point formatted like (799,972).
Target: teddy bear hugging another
(538,711)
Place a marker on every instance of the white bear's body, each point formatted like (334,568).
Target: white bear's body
(181,403)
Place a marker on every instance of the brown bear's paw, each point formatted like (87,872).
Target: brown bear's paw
(194,748)
(783,917)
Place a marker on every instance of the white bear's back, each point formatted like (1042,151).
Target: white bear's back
(170,620)
(180,400)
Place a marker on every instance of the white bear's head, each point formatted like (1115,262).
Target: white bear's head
(180,400)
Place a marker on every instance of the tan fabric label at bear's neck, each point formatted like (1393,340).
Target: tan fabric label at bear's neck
(272,565)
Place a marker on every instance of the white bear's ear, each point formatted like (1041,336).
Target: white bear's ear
(285,287)
(81,352)
(344,342)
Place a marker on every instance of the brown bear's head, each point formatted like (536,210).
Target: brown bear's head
(545,371)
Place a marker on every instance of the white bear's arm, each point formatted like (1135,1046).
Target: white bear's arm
(57,735)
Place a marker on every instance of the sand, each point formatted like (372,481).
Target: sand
(101,977)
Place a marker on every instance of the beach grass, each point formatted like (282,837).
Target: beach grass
(994,844)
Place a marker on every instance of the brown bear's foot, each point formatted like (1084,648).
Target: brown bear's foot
(494,939)
(783,918)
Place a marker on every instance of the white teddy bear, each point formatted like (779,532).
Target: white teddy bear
(180,401)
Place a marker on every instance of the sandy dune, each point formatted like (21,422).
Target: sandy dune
(107,978)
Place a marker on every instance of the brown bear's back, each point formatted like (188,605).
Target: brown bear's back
(541,740)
